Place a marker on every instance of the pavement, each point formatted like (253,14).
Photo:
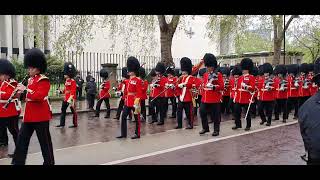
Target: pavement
(94,142)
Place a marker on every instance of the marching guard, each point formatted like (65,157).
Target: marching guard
(294,84)
(266,94)
(281,94)
(225,108)
(142,75)
(305,83)
(132,98)
(70,95)
(121,91)
(10,105)
(211,95)
(37,112)
(104,94)
(245,88)
(170,92)
(236,72)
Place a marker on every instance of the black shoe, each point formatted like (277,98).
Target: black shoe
(10,155)
(276,119)
(235,127)
(60,125)
(284,121)
(178,127)
(247,129)
(160,123)
(203,131)
(268,124)
(117,118)
(73,126)
(121,137)
(189,127)
(262,122)
(135,137)
(215,133)
(107,116)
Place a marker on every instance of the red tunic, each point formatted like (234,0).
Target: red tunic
(304,91)
(226,90)
(6,90)
(293,91)
(265,95)
(243,96)
(37,108)
(144,89)
(232,86)
(133,91)
(104,92)
(157,90)
(209,95)
(70,89)
(171,92)
(185,92)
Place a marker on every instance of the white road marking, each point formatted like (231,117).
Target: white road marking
(194,144)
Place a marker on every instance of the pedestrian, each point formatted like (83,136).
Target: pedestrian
(309,121)
(70,95)
(37,113)
(211,95)
(104,94)
(132,99)
(79,82)
(9,113)
(91,89)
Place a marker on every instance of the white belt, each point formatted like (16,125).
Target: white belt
(207,89)
(44,99)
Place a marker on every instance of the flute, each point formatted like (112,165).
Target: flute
(5,106)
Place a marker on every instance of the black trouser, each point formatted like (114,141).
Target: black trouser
(294,101)
(253,107)
(173,101)
(143,108)
(126,111)
(281,106)
(214,110)
(120,108)
(198,102)
(44,137)
(231,105)
(265,106)
(90,99)
(187,107)
(302,100)
(151,106)
(237,114)
(12,124)
(98,105)
(160,106)
(225,108)
(64,107)
(79,93)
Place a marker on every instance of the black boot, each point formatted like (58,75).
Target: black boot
(203,131)
(160,123)
(135,137)
(178,127)
(284,121)
(73,126)
(60,125)
(236,127)
(121,136)
(215,133)
(262,122)
(247,129)
(268,124)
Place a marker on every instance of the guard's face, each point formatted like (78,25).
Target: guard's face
(131,74)
(33,71)
(266,74)
(184,73)
(4,77)
(66,76)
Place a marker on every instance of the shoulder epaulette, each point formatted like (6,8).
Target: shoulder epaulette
(42,77)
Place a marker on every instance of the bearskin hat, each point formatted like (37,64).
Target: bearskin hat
(260,70)
(280,69)
(237,70)
(160,67)
(133,65)
(186,65)
(153,73)
(104,73)
(310,67)
(124,72)
(246,64)
(255,71)
(177,72)
(267,68)
(202,71)
(69,69)
(224,70)
(231,67)
(142,73)
(35,58)
(6,67)
(316,71)
(304,67)
(170,70)
(210,60)
(293,69)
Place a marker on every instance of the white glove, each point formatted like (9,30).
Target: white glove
(243,85)
(166,85)
(114,88)
(209,85)
(118,93)
(171,86)
(181,85)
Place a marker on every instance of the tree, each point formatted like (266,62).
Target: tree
(251,42)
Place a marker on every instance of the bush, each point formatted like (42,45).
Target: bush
(55,69)
(21,72)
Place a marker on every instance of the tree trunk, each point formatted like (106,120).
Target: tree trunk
(166,44)
(36,31)
(46,26)
(277,51)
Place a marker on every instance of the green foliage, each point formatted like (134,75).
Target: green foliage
(55,69)
(21,72)
(252,42)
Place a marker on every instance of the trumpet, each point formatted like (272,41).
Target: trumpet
(5,106)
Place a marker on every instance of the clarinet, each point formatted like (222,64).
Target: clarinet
(5,106)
